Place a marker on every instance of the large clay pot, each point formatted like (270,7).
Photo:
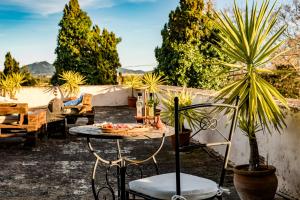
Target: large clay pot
(132,102)
(184,138)
(255,185)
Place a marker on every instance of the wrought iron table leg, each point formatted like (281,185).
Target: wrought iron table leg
(93,180)
(122,179)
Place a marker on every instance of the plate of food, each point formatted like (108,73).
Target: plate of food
(108,127)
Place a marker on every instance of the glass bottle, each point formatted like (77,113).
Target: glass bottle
(139,106)
(151,106)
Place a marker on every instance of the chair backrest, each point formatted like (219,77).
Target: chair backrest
(206,121)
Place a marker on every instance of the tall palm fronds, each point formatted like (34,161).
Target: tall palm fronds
(72,81)
(133,82)
(152,82)
(249,40)
(12,83)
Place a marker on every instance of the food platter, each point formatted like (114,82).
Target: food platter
(123,128)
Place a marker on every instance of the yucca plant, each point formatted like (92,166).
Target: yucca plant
(133,82)
(72,81)
(185,99)
(151,82)
(250,40)
(12,83)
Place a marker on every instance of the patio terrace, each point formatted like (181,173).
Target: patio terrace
(59,168)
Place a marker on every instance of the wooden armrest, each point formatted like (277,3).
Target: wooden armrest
(69,99)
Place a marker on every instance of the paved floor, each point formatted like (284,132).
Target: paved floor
(60,169)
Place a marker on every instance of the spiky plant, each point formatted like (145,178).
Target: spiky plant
(73,80)
(185,99)
(12,83)
(152,82)
(249,40)
(133,82)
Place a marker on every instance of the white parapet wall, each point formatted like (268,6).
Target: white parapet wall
(103,95)
(281,150)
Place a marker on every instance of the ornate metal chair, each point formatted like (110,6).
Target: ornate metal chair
(179,186)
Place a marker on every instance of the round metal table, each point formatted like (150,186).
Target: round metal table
(92,131)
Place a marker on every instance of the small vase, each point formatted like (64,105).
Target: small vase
(159,123)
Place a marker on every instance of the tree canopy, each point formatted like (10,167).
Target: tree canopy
(10,65)
(83,48)
(188,41)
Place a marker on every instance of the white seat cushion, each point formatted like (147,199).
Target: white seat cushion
(164,186)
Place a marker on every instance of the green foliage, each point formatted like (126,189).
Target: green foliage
(133,82)
(249,42)
(152,82)
(104,56)
(85,49)
(29,79)
(286,79)
(189,40)
(12,83)
(185,99)
(71,80)
(10,65)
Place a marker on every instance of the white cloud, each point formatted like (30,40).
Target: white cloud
(46,7)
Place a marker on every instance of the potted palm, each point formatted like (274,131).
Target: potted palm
(151,82)
(72,81)
(251,42)
(133,82)
(12,83)
(186,117)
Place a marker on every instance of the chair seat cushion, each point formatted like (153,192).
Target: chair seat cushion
(164,186)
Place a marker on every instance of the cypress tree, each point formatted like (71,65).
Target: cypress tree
(10,65)
(72,39)
(188,41)
(84,49)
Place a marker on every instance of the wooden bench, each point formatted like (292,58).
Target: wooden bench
(32,122)
(85,109)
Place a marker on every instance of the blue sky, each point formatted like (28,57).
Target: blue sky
(28,28)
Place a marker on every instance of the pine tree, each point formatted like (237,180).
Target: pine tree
(188,45)
(84,49)
(10,65)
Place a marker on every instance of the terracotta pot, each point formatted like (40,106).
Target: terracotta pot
(255,185)
(132,102)
(184,138)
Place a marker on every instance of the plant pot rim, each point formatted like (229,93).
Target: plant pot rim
(263,171)
(130,97)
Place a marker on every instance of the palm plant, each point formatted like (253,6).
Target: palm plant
(251,42)
(133,82)
(12,83)
(189,116)
(72,81)
(152,81)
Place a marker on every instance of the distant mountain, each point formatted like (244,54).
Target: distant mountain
(41,69)
(131,71)
(46,69)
